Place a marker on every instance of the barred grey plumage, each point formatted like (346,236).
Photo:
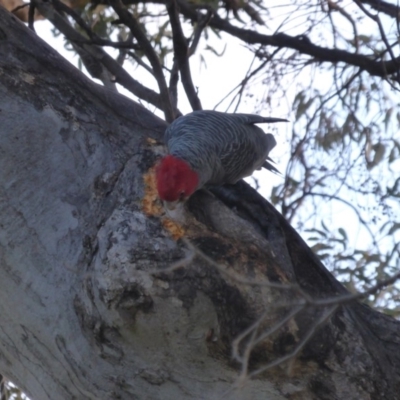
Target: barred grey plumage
(220,147)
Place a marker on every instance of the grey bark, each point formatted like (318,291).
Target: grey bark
(85,312)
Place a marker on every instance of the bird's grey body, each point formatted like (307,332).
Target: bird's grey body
(221,147)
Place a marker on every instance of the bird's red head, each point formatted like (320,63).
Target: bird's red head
(175,179)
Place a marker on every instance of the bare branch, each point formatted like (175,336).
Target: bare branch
(121,76)
(181,55)
(313,329)
(173,83)
(382,32)
(249,75)
(98,41)
(14,11)
(347,298)
(59,6)
(94,39)
(201,24)
(140,62)
(236,343)
(31,16)
(336,7)
(234,275)
(129,20)
(392,10)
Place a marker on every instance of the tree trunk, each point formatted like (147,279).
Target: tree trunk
(89,306)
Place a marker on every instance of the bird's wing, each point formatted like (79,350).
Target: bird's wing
(246,151)
(199,121)
(239,159)
(232,159)
(172,131)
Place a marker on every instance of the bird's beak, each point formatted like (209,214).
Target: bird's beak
(175,210)
(171,205)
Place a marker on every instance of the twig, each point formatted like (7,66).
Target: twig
(201,24)
(241,86)
(337,198)
(59,6)
(383,35)
(392,10)
(140,62)
(335,6)
(299,346)
(182,263)
(31,16)
(347,298)
(14,10)
(269,332)
(234,275)
(307,300)
(98,41)
(246,356)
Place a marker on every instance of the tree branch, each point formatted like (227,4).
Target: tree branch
(181,55)
(120,74)
(201,24)
(127,18)
(299,43)
(377,20)
(173,83)
(382,6)
(94,38)
(31,16)
(141,62)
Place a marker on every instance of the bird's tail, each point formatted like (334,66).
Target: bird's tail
(267,165)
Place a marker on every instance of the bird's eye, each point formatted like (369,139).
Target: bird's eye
(181,195)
